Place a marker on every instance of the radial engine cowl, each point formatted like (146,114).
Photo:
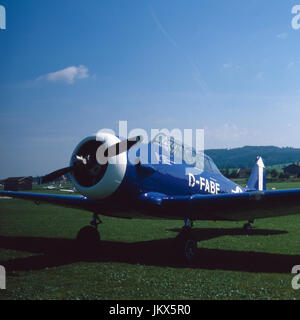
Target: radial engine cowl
(92,179)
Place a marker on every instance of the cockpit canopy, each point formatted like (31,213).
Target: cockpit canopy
(178,152)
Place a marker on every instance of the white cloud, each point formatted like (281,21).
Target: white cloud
(260,75)
(282,36)
(227,65)
(290,65)
(67,75)
(231,66)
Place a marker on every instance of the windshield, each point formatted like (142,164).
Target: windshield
(177,150)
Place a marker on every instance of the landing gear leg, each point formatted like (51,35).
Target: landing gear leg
(88,238)
(248,226)
(186,243)
(188,224)
(96,220)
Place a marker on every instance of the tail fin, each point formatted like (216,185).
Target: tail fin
(257,180)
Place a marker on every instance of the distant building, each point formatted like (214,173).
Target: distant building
(37,180)
(18,184)
(292,170)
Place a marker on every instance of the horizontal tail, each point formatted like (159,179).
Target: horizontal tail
(257,180)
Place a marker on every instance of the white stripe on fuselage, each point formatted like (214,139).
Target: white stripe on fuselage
(261,167)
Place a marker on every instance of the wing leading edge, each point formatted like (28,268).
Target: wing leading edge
(75,202)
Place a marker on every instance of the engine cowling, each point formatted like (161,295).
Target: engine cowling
(93,179)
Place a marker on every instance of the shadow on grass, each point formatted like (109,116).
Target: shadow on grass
(52,252)
(203,234)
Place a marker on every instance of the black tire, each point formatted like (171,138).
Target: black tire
(88,240)
(187,246)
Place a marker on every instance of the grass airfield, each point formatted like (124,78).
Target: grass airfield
(136,260)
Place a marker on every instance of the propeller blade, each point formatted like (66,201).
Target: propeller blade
(110,152)
(121,147)
(56,174)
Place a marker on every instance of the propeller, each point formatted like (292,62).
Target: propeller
(56,174)
(121,147)
(82,162)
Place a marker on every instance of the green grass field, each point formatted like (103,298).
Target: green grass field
(136,260)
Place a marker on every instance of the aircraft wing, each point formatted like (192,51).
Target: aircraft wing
(231,207)
(76,202)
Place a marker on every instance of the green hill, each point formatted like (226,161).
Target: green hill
(245,157)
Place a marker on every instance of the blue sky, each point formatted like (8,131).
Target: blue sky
(70,68)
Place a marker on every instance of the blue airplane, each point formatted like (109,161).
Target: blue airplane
(124,183)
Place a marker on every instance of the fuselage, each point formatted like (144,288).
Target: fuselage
(166,176)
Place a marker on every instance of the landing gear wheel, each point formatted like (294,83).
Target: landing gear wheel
(88,240)
(187,246)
